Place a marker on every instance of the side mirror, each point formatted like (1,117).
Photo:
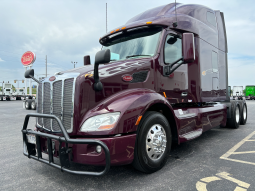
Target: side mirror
(29,73)
(87,60)
(188,47)
(102,57)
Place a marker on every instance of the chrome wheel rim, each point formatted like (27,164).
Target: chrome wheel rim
(26,104)
(244,112)
(237,114)
(156,142)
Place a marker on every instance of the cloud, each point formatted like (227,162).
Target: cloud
(73,31)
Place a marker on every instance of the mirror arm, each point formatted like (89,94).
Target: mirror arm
(96,75)
(98,86)
(173,69)
(167,70)
(171,65)
(34,79)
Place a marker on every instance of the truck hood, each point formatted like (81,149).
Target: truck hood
(85,98)
(112,68)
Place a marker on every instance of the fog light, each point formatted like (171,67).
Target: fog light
(98,149)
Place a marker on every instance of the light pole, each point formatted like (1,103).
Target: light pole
(74,63)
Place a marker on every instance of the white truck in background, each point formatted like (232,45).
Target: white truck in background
(238,92)
(20,94)
(6,92)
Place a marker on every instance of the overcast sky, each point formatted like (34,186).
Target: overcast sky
(65,31)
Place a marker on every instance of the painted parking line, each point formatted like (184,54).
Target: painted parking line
(201,185)
(233,149)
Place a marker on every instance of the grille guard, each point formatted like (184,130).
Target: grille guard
(31,152)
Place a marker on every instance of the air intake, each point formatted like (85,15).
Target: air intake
(139,76)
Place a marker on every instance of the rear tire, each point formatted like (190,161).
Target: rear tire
(234,121)
(28,104)
(243,114)
(153,142)
(33,105)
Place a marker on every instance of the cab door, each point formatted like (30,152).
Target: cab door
(175,86)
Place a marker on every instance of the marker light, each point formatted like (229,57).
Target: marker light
(123,28)
(148,22)
(117,30)
(100,122)
(112,31)
(138,120)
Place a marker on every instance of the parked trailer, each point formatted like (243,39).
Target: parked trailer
(6,92)
(250,92)
(238,92)
(20,93)
(154,82)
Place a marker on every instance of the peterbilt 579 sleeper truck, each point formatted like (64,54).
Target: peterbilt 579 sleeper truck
(160,78)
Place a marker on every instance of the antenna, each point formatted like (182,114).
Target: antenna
(175,23)
(106,17)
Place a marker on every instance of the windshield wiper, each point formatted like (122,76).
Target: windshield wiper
(137,55)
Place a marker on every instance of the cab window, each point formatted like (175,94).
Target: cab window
(172,49)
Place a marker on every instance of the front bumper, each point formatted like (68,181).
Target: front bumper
(35,152)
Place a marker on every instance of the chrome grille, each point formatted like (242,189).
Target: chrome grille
(56,98)
(68,103)
(39,104)
(46,105)
(56,102)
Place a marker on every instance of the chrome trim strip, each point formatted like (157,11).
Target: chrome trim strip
(188,115)
(62,101)
(71,130)
(51,103)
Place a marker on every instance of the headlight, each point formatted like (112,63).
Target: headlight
(100,122)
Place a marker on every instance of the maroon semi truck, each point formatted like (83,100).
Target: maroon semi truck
(160,78)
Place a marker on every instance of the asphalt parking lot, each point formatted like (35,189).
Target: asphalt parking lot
(221,159)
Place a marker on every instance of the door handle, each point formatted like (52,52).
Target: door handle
(184,93)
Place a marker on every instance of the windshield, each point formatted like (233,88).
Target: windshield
(139,42)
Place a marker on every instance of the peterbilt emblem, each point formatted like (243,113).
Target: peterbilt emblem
(127,78)
(52,78)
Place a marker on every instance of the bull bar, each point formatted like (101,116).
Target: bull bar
(63,152)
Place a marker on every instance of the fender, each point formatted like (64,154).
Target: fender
(131,104)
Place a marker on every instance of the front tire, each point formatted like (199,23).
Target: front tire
(153,142)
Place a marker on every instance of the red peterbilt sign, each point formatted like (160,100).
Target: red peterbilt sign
(28,58)
(127,78)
